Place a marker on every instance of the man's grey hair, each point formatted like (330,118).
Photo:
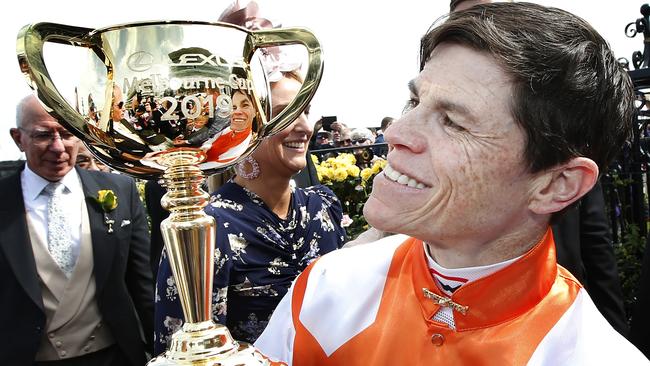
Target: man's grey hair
(21,107)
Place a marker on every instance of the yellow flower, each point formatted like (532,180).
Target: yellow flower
(340,174)
(314,159)
(353,170)
(106,199)
(366,174)
(323,173)
(378,166)
(141,188)
(346,158)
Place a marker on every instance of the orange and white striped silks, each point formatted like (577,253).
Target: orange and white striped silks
(366,306)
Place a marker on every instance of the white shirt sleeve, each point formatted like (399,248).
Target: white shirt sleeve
(276,342)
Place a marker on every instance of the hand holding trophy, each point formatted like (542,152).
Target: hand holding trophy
(180,81)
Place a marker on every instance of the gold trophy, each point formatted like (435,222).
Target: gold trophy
(154,99)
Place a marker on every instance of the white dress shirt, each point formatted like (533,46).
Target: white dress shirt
(36,204)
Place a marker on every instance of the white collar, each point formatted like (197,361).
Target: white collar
(33,183)
(468,273)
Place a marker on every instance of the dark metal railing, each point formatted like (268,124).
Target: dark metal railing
(627,182)
(345,148)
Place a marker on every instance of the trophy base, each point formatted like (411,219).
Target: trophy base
(208,344)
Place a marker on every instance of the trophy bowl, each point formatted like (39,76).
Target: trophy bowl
(133,91)
(164,99)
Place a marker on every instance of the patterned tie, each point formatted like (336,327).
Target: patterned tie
(58,230)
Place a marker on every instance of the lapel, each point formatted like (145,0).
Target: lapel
(104,244)
(14,237)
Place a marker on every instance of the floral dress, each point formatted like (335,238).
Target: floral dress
(257,257)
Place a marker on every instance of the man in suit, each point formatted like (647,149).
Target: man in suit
(85,295)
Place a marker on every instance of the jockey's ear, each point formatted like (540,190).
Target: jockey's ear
(560,186)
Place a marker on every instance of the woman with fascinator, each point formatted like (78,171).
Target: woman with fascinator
(267,230)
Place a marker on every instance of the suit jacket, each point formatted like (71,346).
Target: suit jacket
(584,246)
(124,286)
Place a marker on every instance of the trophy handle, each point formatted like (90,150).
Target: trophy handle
(286,36)
(29,48)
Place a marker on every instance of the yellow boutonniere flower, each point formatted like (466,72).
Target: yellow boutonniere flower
(106,199)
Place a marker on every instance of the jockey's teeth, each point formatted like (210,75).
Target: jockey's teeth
(294,145)
(400,178)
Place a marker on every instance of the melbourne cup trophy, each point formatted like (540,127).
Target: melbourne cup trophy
(184,76)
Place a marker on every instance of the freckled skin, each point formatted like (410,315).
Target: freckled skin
(474,210)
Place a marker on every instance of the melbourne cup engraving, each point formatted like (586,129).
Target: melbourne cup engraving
(160,99)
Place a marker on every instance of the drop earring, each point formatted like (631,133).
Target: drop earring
(252,173)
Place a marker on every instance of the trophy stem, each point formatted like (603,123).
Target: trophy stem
(189,235)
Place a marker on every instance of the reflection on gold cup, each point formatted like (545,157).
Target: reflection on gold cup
(156,99)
